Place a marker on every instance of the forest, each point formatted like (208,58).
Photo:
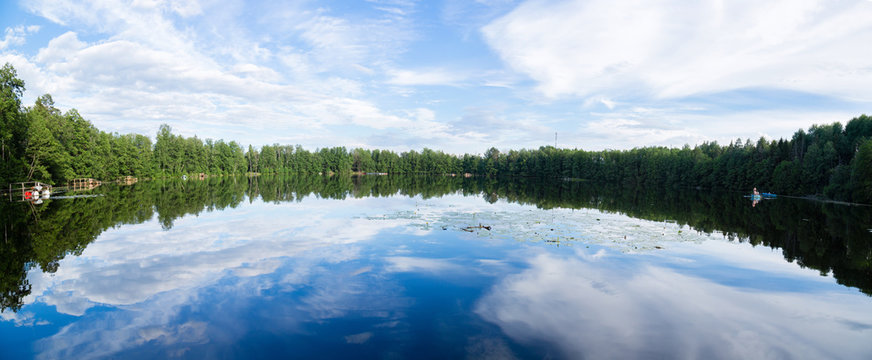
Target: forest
(815,235)
(42,143)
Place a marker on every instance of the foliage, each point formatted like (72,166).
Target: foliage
(826,237)
(41,143)
(861,172)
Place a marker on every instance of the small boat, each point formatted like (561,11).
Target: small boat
(769,195)
(756,197)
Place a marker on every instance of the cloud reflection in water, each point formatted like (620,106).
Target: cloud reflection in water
(381,273)
(606,307)
(215,263)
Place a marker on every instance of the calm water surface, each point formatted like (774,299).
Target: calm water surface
(390,267)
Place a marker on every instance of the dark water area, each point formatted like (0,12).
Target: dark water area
(431,267)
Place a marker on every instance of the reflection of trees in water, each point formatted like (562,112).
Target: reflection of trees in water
(823,236)
(826,237)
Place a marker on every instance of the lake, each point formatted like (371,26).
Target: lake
(431,267)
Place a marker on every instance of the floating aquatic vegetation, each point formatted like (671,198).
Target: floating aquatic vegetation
(554,226)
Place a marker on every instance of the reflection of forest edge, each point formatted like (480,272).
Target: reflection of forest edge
(826,237)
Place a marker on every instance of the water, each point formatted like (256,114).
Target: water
(405,267)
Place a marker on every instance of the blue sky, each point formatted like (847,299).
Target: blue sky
(460,76)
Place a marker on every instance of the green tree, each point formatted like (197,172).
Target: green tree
(44,154)
(12,125)
(861,173)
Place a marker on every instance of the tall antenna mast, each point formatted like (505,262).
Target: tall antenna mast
(555,139)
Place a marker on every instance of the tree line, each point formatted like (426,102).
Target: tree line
(832,160)
(826,237)
(42,143)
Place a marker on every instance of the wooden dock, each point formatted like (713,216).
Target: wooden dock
(29,191)
(127,180)
(83,184)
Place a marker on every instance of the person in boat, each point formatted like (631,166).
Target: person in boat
(755,198)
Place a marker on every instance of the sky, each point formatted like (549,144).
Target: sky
(455,75)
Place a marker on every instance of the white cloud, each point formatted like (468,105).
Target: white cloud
(153,278)
(306,73)
(15,36)
(486,126)
(331,43)
(358,338)
(59,48)
(150,69)
(670,49)
(257,72)
(23,318)
(627,128)
(419,264)
(186,8)
(425,77)
(119,269)
(159,282)
(598,309)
